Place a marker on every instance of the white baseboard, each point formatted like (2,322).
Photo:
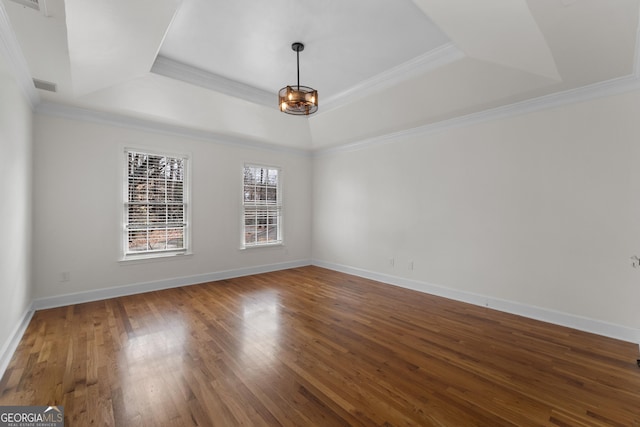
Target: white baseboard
(138,288)
(9,347)
(538,313)
(594,326)
(12,343)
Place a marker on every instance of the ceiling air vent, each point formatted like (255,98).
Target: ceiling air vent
(33,4)
(44,85)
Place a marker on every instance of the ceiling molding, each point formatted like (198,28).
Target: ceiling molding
(585,93)
(431,60)
(186,73)
(148,125)
(10,49)
(598,90)
(421,64)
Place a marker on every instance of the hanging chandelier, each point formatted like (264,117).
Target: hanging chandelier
(296,99)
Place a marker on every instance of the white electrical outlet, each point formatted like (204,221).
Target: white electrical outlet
(65,276)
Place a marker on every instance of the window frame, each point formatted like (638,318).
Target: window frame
(278,208)
(128,255)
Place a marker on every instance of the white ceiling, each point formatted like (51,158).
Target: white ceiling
(380,66)
(346,42)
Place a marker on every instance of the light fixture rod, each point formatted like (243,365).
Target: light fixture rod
(298,47)
(298,66)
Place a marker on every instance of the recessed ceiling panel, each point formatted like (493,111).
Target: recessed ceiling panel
(347,41)
(111,41)
(499,31)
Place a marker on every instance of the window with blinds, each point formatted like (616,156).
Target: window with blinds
(155,204)
(262,202)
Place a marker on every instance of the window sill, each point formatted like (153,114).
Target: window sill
(264,245)
(137,259)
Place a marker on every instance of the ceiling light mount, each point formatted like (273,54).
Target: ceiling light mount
(296,99)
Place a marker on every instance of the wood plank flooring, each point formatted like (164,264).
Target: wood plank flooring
(313,347)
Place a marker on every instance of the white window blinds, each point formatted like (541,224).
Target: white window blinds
(155,203)
(262,202)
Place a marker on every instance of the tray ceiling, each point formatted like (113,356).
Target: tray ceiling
(380,66)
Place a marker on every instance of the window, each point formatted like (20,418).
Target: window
(262,202)
(155,205)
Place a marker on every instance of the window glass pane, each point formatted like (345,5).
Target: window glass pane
(158,214)
(250,218)
(175,192)
(137,240)
(272,232)
(272,195)
(158,239)
(272,177)
(137,214)
(156,189)
(137,189)
(175,214)
(175,238)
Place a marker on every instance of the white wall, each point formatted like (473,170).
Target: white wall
(78,213)
(15,208)
(541,210)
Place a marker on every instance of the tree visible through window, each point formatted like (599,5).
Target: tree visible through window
(155,205)
(262,206)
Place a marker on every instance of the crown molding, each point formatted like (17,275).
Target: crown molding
(585,93)
(148,125)
(431,60)
(422,64)
(186,73)
(10,49)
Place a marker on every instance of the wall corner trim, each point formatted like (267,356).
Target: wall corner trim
(585,324)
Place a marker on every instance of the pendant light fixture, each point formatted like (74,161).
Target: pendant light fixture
(296,99)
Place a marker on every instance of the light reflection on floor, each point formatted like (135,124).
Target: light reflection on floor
(261,332)
(150,364)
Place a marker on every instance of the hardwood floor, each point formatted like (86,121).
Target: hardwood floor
(313,347)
